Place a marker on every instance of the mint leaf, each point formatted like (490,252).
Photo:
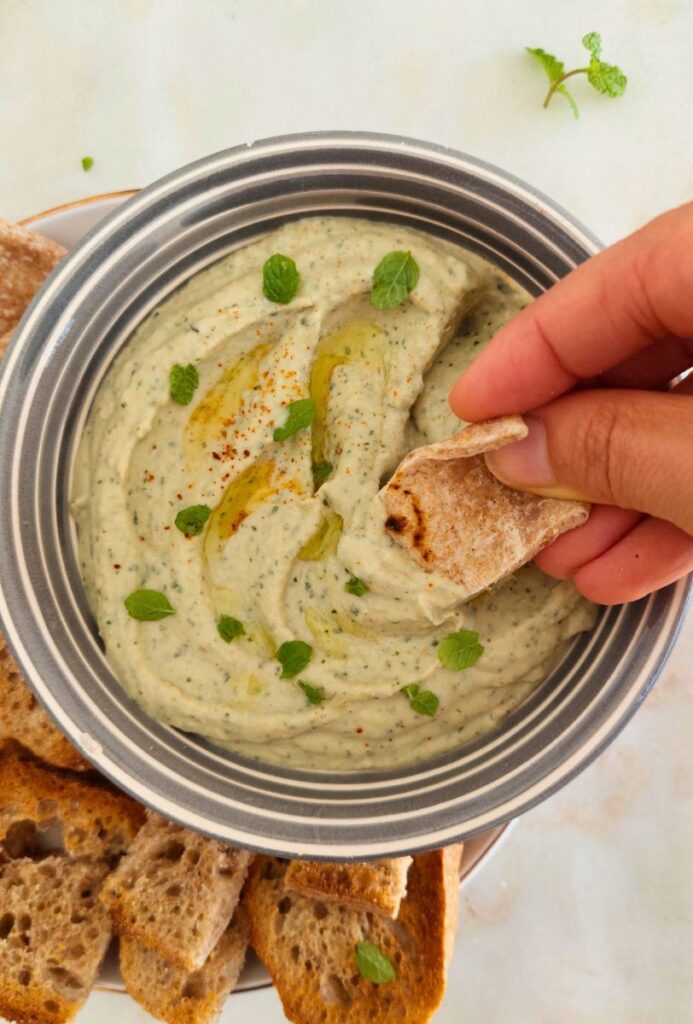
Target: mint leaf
(372,964)
(293,656)
(299,415)
(87,163)
(280,279)
(555,71)
(562,91)
(356,587)
(553,67)
(229,628)
(607,78)
(183,381)
(593,42)
(321,471)
(148,605)
(394,278)
(460,650)
(424,702)
(191,521)
(315,694)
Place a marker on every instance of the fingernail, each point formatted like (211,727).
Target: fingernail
(526,466)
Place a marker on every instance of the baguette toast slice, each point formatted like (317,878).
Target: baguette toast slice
(177,996)
(309,946)
(23,719)
(378,886)
(53,937)
(175,891)
(97,821)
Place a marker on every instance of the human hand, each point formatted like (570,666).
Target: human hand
(610,338)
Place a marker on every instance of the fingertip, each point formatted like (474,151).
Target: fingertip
(462,398)
(605,527)
(652,555)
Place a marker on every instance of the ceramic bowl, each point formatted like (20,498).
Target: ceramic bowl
(76,325)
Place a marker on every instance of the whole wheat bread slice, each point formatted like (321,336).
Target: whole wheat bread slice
(23,719)
(379,885)
(452,515)
(178,996)
(309,945)
(97,821)
(25,260)
(53,936)
(175,891)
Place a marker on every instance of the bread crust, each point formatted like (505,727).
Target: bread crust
(309,946)
(379,886)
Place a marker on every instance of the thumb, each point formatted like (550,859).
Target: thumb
(628,448)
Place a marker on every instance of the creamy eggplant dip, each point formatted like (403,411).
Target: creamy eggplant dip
(230,527)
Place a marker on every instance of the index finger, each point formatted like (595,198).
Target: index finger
(609,308)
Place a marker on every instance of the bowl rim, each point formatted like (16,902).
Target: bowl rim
(561,773)
(76,204)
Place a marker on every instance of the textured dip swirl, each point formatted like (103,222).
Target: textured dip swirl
(276,555)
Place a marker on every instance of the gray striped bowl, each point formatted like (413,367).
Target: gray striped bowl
(74,328)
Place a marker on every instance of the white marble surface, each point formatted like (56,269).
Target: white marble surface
(585,915)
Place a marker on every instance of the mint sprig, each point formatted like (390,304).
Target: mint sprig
(183,381)
(607,79)
(148,605)
(191,520)
(280,279)
(299,415)
(229,628)
(315,695)
(356,587)
(372,964)
(460,650)
(293,656)
(395,277)
(423,702)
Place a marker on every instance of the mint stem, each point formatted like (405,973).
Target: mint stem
(560,81)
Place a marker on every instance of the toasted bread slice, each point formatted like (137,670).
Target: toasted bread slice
(452,515)
(309,946)
(178,996)
(23,719)
(175,891)
(379,885)
(97,821)
(25,260)
(53,936)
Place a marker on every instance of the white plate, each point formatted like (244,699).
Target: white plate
(109,1004)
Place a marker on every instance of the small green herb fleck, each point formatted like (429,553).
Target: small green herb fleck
(191,521)
(87,163)
(372,964)
(424,702)
(321,471)
(394,278)
(299,415)
(356,587)
(148,605)
(607,79)
(293,656)
(460,650)
(315,694)
(280,279)
(229,628)
(184,381)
